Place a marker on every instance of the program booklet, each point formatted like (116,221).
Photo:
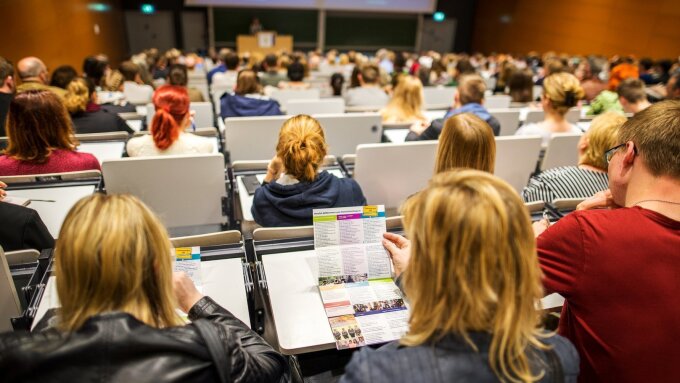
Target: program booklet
(362,302)
(188,259)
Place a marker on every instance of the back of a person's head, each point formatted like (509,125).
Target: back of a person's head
(30,67)
(471,89)
(602,135)
(62,76)
(222,55)
(466,141)
(370,73)
(113,255)
(337,80)
(6,69)
(302,147)
(172,106)
(247,82)
(655,132)
(94,69)
(129,70)
(673,87)
(231,61)
(408,96)
(464,66)
(563,91)
(632,90)
(554,65)
(177,75)
(646,63)
(271,61)
(296,71)
(521,86)
(37,124)
(78,94)
(473,268)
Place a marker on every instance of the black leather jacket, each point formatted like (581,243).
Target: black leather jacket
(116,347)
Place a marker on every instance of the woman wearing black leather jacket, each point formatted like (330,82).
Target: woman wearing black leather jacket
(117,321)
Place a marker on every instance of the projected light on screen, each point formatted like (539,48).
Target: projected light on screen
(412,6)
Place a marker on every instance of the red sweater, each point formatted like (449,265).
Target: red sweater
(619,271)
(58,162)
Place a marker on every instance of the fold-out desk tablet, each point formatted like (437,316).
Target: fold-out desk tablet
(104,150)
(225,275)
(53,201)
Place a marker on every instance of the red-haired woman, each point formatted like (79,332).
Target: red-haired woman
(168,127)
(41,138)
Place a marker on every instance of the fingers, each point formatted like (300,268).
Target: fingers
(3,185)
(399,240)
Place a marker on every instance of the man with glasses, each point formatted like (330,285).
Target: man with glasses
(34,75)
(617,260)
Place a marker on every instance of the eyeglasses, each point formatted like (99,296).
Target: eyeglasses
(610,152)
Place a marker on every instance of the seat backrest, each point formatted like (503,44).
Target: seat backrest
(508,118)
(562,150)
(534,116)
(567,203)
(573,115)
(103,150)
(516,158)
(322,106)
(390,173)
(22,256)
(67,176)
(285,95)
(105,136)
(210,239)
(255,138)
(202,118)
(497,101)
(9,300)
(137,94)
(272,233)
(185,190)
(438,97)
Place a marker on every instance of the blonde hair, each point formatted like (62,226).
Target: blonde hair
(466,141)
(474,267)
(407,101)
(602,135)
(77,96)
(113,254)
(563,90)
(302,147)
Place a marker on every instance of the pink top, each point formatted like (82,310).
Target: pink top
(58,162)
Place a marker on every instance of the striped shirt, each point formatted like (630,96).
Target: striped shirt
(565,182)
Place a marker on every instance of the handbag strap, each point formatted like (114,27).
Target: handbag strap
(216,349)
(555,365)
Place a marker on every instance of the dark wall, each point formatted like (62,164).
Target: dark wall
(464,13)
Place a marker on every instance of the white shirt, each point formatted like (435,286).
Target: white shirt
(538,129)
(187,143)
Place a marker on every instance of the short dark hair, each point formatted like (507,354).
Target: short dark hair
(370,73)
(6,69)
(632,90)
(471,89)
(646,63)
(177,75)
(296,71)
(271,60)
(129,70)
(231,61)
(62,76)
(464,66)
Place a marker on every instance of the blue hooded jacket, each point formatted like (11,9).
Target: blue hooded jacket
(291,205)
(434,130)
(232,105)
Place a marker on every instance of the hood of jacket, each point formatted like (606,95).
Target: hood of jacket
(232,105)
(474,108)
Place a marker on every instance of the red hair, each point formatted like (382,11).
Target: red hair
(172,106)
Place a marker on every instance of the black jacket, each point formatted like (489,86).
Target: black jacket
(100,121)
(21,228)
(115,347)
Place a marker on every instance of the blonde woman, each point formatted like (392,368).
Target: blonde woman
(117,320)
(86,114)
(590,176)
(406,103)
(466,141)
(294,186)
(470,272)
(561,91)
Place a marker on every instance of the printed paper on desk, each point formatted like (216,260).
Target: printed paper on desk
(362,303)
(188,259)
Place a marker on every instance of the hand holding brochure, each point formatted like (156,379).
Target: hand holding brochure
(362,303)
(188,259)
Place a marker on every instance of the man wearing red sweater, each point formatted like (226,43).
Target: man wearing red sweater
(619,268)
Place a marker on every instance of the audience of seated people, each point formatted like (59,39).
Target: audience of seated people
(21,227)
(248,98)
(617,265)
(168,127)
(561,92)
(178,76)
(86,114)
(118,292)
(468,98)
(590,176)
(41,137)
(369,92)
(293,186)
(632,95)
(34,76)
(471,275)
(406,103)
(7,89)
(466,142)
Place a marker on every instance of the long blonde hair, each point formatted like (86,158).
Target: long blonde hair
(113,254)
(602,135)
(474,267)
(301,147)
(466,141)
(407,101)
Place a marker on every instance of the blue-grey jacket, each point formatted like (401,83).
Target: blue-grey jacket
(450,360)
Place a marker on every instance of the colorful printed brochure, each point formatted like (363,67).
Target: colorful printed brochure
(188,259)
(362,303)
